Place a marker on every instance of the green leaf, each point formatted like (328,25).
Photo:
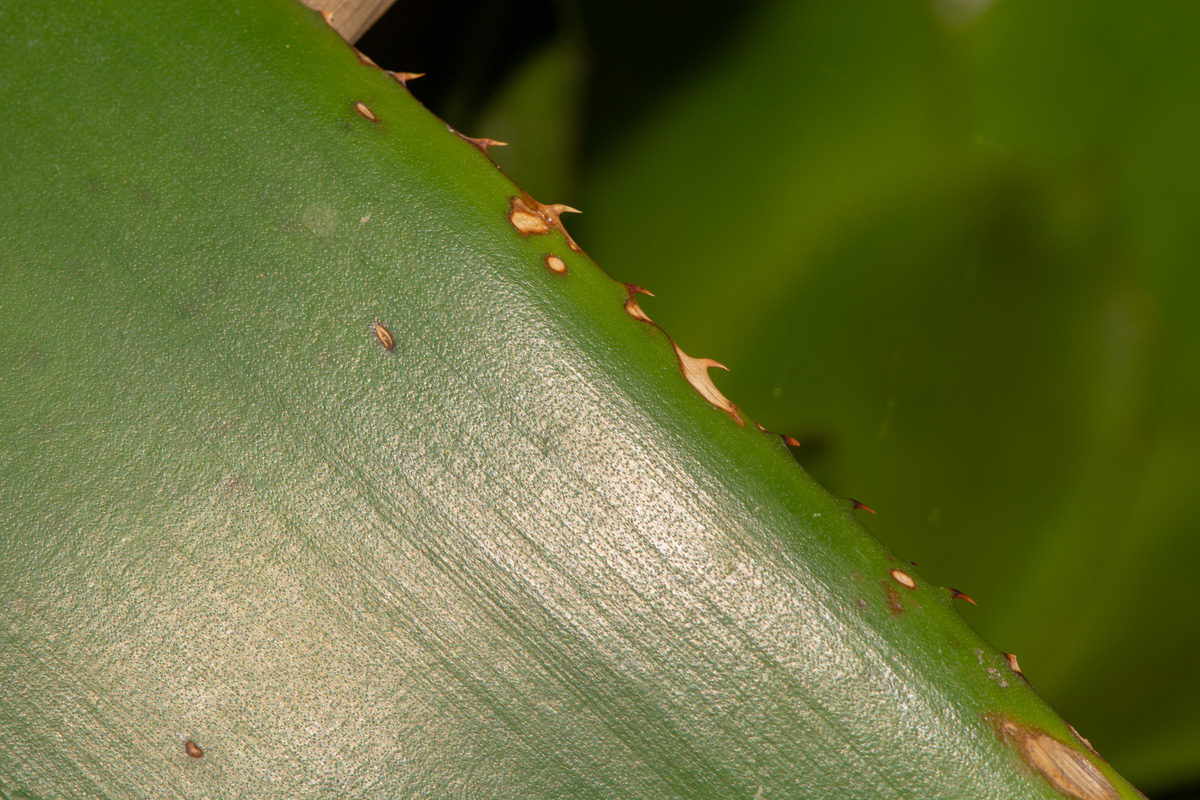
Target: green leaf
(315,478)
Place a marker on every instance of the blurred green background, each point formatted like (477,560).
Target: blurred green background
(953,247)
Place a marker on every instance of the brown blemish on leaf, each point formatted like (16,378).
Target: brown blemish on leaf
(531,218)
(904,579)
(861,603)
(556,264)
(384,336)
(863,506)
(632,290)
(192,749)
(362,108)
(955,594)
(894,603)
(1065,768)
(696,372)
(404,77)
(527,221)
(791,441)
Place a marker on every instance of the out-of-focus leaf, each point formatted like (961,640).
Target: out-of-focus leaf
(956,258)
(537,114)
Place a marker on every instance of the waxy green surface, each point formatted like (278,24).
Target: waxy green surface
(518,556)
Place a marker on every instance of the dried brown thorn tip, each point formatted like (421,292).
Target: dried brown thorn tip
(863,506)
(791,441)
(632,290)
(1013,665)
(1082,740)
(364,58)
(904,579)
(695,370)
(482,144)
(404,77)
(957,595)
(362,108)
(192,749)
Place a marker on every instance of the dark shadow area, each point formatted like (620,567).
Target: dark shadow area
(633,53)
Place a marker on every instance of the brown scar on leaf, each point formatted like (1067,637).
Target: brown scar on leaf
(1065,768)
(955,594)
(904,579)
(362,108)
(192,749)
(791,441)
(555,264)
(531,218)
(894,603)
(384,336)
(632,290)
(696,372)
(404,77)
(863,506)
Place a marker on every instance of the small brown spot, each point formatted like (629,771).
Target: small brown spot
(192,749)
(904,579)
(1065,768)
(791,441)
(361,108)
(556,264)
(384,336)
(861,603)
(955,594)
(863,506)
(631,306)
(894,603)
(1013,665)
(695,370)
(404,77)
